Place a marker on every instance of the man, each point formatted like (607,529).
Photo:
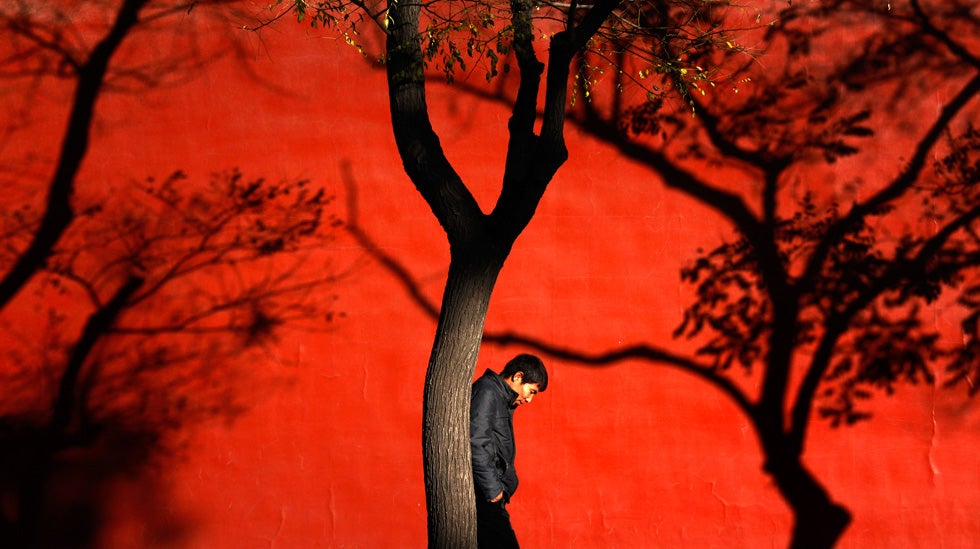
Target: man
(494,399)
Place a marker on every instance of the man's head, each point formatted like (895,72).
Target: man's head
(526,375)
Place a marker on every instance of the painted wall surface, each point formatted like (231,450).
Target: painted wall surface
(632,455)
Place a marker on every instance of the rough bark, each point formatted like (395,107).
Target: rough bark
(476,260)
(445,425)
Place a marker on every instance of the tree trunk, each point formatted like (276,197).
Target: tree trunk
(818,522)
(445,417)
(53,439)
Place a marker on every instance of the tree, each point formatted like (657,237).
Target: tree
(128,307)
(478,243)
(440,37)
(822,299)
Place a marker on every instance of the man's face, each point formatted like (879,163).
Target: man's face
(525,391)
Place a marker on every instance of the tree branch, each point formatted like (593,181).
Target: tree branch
(418,145)
(905,180)
(98,325)
(898,272)
(59,214)
(638,351)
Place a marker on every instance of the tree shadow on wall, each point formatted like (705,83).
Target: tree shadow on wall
(817,317)
(160,308)
(131,312)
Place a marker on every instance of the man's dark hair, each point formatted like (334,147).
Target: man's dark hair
(531,366)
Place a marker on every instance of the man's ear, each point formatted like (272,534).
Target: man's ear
(518,377)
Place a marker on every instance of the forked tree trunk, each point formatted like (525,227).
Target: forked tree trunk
(479,243)
(445,415)
(818,522)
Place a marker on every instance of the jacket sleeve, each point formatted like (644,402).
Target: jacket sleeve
(482,448)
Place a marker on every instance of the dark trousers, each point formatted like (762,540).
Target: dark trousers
(493,529)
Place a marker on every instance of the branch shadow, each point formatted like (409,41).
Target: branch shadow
(157,313)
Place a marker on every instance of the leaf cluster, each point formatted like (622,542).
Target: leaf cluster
(666,48)
(643,38)
(730,307)
(462,31)
(867,303)
(957,193)
(883,348)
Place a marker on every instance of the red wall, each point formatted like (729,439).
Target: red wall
(629,456)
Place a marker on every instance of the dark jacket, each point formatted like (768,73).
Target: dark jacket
(492,437)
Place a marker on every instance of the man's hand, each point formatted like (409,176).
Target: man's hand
(499,497)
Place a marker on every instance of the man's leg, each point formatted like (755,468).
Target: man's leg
(493,529)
